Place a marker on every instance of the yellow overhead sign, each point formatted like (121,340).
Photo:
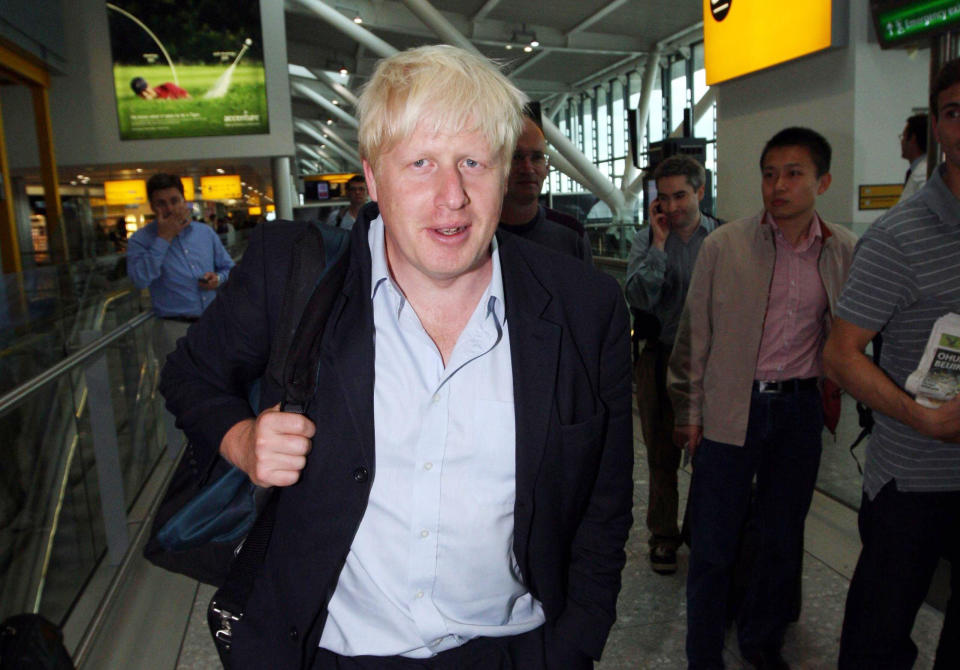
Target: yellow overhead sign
(253,211)
(125,192)
(188,188)
(271,208)
(743,36)
(221,187)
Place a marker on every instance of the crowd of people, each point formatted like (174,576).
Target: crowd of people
(457,493)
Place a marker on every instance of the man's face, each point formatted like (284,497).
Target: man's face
(440,197)
(905,141)
(168,203)
(946,124)
(357,193)
(790,184)
(679,201)
(529,166)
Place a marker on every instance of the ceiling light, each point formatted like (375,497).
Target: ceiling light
(73,183)
(335,101)
(534,42)
(527,49)
(139,170)
(344,71)
(329,122)
(508,46)
(357,19)
(220,170)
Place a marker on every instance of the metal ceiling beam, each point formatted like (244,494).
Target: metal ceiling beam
(326,136)
(332,138)
(317,98)
(317,156)
(596,16)
(434,20)
(488,7)
(345,25)
(530,62)
(328,79)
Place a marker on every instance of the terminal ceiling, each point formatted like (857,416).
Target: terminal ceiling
(582,43)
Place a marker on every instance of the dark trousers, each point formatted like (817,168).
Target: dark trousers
(782,449)
(535,650)
(663,458)
(904,534)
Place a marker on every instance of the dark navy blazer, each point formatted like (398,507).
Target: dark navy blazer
(570,352)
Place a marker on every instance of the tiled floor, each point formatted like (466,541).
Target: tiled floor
(650,628)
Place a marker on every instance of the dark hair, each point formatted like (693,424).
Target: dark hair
(682,165)
(948,76)
(138,84)
(356,179)
(917,129)
(162,180)
(811,140)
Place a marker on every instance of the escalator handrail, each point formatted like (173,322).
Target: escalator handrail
(72,361)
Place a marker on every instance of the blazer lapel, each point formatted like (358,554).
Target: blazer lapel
(534,350)
(348,346)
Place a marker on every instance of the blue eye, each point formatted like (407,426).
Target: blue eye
(471,163)
(419,163)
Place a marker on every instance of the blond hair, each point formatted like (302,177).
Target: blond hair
(439,88)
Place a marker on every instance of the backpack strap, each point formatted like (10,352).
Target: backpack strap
(864,413)
(317,272)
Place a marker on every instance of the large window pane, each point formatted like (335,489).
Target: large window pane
(619,121)
(586,116)
(603,124)
(678,92)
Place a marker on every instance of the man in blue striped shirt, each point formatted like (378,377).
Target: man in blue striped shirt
(906,274)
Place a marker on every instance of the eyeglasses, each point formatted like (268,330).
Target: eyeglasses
(536,157)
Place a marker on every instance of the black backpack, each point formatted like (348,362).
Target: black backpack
(30,642)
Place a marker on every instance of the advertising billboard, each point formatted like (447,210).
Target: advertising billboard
(189,68)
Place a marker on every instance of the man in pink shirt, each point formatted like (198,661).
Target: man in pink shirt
(744,379)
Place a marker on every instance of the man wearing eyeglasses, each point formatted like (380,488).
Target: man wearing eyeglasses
(345,217)
(522,213)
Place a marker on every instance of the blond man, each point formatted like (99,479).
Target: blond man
(458,493)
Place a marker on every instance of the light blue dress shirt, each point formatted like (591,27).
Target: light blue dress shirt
(171,269)
(432,564)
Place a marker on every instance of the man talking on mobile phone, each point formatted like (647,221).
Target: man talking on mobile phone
(181,261)
(658,276)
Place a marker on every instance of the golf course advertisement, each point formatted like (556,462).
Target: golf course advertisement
(187,68)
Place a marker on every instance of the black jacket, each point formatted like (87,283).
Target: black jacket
(570,353)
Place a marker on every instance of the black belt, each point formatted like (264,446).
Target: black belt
(181,319)
(785,385)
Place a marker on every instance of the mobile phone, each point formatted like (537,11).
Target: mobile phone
(657,207)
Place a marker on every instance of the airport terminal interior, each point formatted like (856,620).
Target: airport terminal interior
(253,105)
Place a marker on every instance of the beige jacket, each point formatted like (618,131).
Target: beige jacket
(711,371)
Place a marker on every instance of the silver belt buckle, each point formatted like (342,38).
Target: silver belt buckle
(768,387)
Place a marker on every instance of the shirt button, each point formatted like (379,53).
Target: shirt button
(360,475)
(424,533)
(419,594)
(427,466)
(435,399)
(293,633)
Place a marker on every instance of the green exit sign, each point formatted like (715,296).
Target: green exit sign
(909,21)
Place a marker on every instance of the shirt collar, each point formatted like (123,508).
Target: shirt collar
(380,272)
(814,234)
(939,198)
(915,162)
